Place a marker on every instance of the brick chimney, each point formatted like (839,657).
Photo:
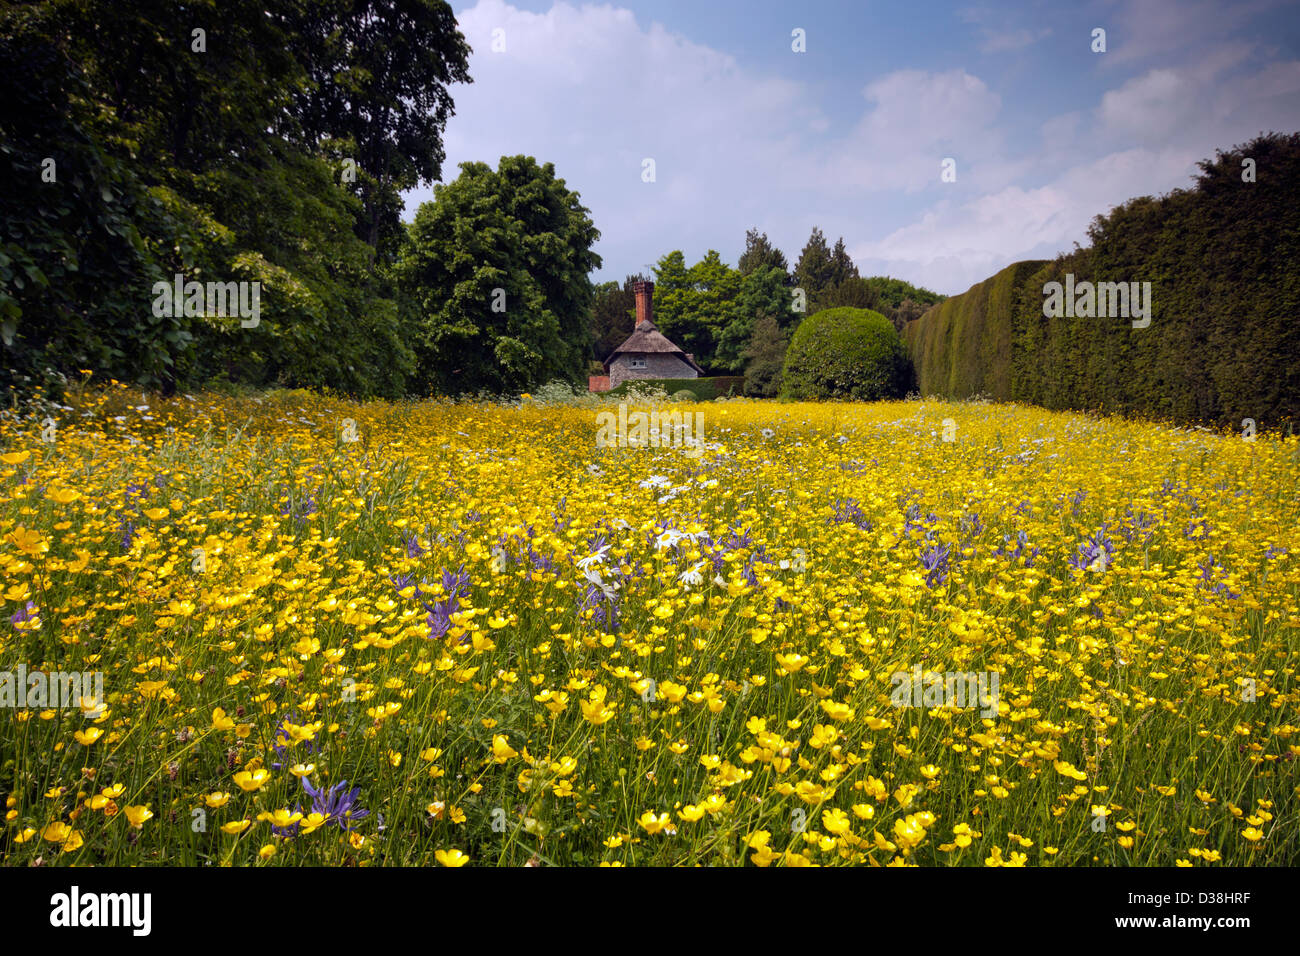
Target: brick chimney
(644,292)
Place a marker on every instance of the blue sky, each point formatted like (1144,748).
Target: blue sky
(850,134)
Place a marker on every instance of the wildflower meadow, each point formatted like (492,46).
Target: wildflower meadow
(477,633)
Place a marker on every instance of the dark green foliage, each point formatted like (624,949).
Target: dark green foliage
(693,306)
(760,253)
(842,267)
(221,164)
(853,292)
(517,229)
(893,292)
(765,357)
(828,276)
(906,311)
(1222,259)
(762,292)
(962,346)
(613,312)
(378,72)
(816,269)
(845,353)
(75,269)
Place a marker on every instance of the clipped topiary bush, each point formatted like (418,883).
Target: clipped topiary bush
(845,353)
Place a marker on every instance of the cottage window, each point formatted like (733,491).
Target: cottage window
(636,363)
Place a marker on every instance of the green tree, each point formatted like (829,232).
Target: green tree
(765,357)
(842,267)
(892,292)
(854,292)
(378,74)
(815,269)
(181,127)
(693,306)
(495,273)
(673,292)
(75,262)
(762,292)
(612,314)
(907,311)
(760,253)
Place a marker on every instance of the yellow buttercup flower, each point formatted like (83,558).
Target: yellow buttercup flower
(137,816)
(501,749)
(654,824)
(28,541)
(252,780)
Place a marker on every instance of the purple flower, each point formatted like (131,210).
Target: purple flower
(280,741)
(604,607)
(935,563)
(848,511)
(338,804)
(1138,524)
(737,539)
(413,549)
(1022,543)
(24,614)
(455,585)
(1092,549)
(539,562)
(402,582)
(1208,568)
(439,621)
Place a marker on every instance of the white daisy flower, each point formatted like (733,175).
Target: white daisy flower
(691,577)
(589,560)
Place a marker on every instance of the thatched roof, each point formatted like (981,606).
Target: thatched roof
(645,338)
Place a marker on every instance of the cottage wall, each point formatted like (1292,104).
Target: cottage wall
(658,365)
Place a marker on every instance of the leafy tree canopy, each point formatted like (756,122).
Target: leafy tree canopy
(495,272)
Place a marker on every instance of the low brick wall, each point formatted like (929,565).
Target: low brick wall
(598,383)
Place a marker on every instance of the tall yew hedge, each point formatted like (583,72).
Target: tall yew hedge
(1223,260)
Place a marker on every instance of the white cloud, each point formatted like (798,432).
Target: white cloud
(916,120)
(595,90)
(998,32)
(1151,30)
(952,246)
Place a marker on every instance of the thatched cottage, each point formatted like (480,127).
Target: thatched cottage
(646,353)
